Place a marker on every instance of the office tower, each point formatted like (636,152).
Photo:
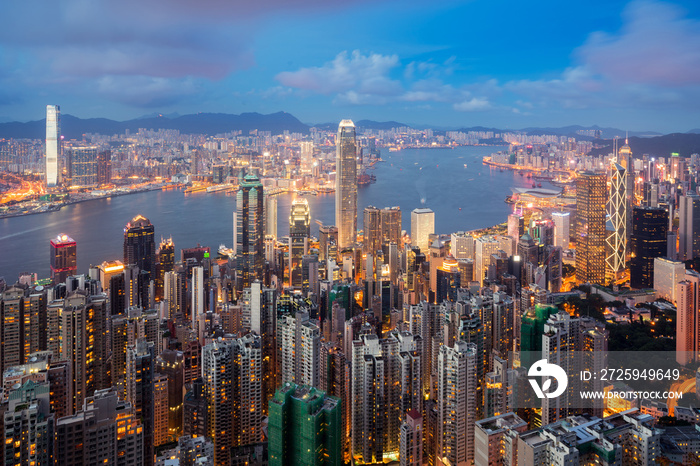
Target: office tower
(422,226)
(249,232)
(346,184)
(335,381)
(197,305)
(301,345)
(484,249)
(105,431)
(386,384)
(625,159)
(516,226)
(140,362)
(29,426)
(689,227)
(462,246)
(299,232)
(649,227)
(173,294)
(667,275)
(617,213)
(687,332)
(270,210)
(412,440)
(165,262)
(104,167)
(53,145)
(456,402)
(171,364)
(82,167)
(372,229)
(64,262)
(306,152)
(304,427)
(591,196)
(108,270)
(391,225)
(327,242)
(84,343)
(310,275)
(231,369)
(490,438)
(139,244)
(561,229)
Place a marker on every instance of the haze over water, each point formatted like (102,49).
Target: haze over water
(433,178)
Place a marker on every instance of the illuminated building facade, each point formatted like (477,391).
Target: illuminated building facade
(561,220)
(83,167)
(139,244)
(64,262)
(346,184)
(422,226)
(299,232)
(689,227)
(53,145)
(270,210)
(165,262)
(231,369)
(591,194)
(617,213)
(372,230)
(687,332)
(649,228)
(391,225)
(327,242)
(29,426)
(249,232)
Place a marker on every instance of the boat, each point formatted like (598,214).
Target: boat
(534,185)
(539,185)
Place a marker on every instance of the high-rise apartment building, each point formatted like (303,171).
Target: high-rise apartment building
(301,346)
(422,226)
(687,325)
(299,232)
(64,261)
(412,439)
(667,274)
(327,242)
(304,427)
(649,228)
(104,167)
(139,244)
(53,145)
(456,402)
(591,194)
(346,184)
(249,232)
(140,364)
(490,438)
(231,369)
(105,431)
(165,262)
(617,213)
(29,426)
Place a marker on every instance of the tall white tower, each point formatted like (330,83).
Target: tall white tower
(617,212)
(346,184)
(53,145)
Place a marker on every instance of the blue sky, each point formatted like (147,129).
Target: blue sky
(508,64)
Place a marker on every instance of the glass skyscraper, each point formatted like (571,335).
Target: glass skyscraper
(83,166)
(53,145)
(346,184)
(249,232)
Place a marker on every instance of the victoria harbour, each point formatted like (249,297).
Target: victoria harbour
(464,194)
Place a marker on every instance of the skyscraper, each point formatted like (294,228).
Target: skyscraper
(617,212)
(561,229)
(687,331)
(304,427)
(346,184)
(64,262)
(422,226)
(649,227)
(53,145)
(372,229)
(165,262)
(231,369)
(327,242)
(299,232)
(590,227)
(689,227)
(270,215)
(139,244)
(391,225)
(83,167)
(250,234)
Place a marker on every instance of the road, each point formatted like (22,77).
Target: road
(687,386)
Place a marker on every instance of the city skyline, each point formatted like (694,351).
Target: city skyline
(630,64)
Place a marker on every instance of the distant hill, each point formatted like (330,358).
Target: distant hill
(200,123)
(606,133)
(659,146)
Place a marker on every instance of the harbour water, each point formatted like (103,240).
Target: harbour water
(464,193)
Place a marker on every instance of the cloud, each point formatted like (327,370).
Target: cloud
(475,104)
(362,74)
(145,91)
(656,45)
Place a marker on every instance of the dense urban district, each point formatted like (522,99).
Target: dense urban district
(367,344)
